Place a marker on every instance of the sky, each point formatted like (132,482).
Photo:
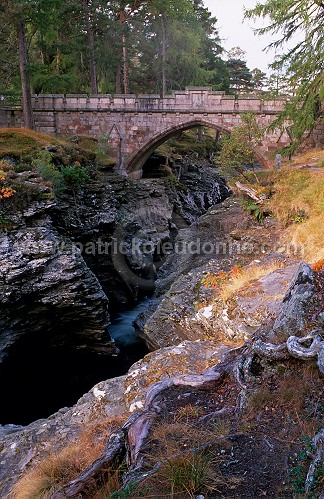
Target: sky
(234,32)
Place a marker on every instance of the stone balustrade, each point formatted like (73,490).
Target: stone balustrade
(192,99)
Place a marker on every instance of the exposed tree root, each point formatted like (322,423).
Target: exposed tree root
(88,482)
(315,349)
(294,347)
(270,351)
(131,439)
(318,461)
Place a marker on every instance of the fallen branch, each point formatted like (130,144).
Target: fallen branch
(252,193)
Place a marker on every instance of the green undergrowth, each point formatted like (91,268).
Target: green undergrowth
(190,142)
(38,167)
(22,145)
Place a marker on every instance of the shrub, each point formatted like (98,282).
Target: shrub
(76,175)
(43,163)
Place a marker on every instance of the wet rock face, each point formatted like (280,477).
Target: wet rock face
(47,289)
(145,213)
(50,294)
(46,285)
(202,188)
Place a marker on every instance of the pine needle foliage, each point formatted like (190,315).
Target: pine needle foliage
(303,63)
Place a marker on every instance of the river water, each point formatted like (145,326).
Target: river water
(121,329)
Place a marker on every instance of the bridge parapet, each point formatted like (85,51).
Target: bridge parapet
(201,99)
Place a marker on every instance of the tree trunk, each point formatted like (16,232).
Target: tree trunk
(118,79)
(23,67)
(125,67)
(91,49)
(124,53)
(164,51)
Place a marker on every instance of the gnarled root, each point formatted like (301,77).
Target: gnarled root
(315,349)
(318,461)
(87,483)
(131,439)
(294,347)
(270,351)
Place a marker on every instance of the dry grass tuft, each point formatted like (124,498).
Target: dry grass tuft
(175,436)
(187,413)
(296,396)
(187,475)
(56,469)
(242,279)
(299,203)
(187,451)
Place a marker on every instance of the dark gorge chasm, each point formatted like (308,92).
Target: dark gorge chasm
(66,315)
(39,378)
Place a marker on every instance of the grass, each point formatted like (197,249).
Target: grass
(22,144)
(296,199)
(246,276)
(189,475)
(187,412)
(56,469)
(297,393)
(19,141)
(301,192)
(189,462)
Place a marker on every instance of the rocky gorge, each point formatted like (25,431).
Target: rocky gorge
(59,274)
(208,355)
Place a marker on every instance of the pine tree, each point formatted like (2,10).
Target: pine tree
(303,63)
(240,76)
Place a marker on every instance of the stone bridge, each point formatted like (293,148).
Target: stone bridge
(135,125)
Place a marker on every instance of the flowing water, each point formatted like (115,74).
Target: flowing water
(121,328)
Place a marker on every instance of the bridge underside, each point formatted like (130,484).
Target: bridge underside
(133,166)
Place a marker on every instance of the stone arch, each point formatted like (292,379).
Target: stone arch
(134,164)
(137,160)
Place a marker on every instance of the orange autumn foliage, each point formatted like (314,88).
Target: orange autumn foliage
(215,281)
(318,266)
(5,190)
